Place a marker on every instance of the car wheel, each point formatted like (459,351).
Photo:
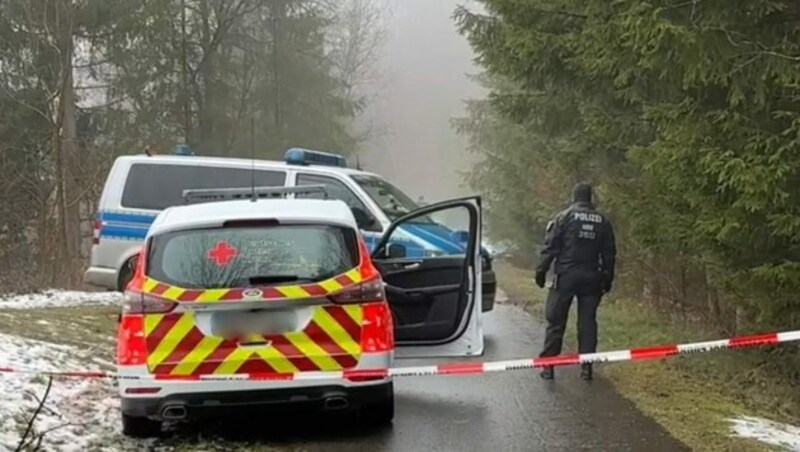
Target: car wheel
(140,427)
(379,413)
(126,274)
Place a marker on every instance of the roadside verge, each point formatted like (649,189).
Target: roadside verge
(695,398)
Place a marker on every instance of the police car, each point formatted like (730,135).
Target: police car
(140,186)
(232,302)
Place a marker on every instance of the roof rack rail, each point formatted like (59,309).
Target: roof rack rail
(198,196)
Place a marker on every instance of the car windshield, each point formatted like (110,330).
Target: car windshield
(391,200)
(252,256)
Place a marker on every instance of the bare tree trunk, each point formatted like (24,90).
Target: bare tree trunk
(69,158)
(712,298)
(206,70)
(278,17)
(71,167)
(187,122)
(61,205)
(684,294)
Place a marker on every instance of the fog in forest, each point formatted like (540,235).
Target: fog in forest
(425,66)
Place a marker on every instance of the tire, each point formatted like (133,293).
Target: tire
(125,274)
(140,427)
(379,413)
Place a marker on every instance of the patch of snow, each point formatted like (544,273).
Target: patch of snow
(58,298)
(77,415)
(768,432)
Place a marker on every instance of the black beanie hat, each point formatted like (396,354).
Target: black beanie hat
(582,192)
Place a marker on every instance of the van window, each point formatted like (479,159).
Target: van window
(252,256)
(156,187)
(340,191)
(392,201)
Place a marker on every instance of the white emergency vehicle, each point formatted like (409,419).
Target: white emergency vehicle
(281,302)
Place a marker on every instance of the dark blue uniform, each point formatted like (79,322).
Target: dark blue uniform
(581,248)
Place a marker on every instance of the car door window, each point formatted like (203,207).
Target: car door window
(338,190)
(426,260)
(441,233)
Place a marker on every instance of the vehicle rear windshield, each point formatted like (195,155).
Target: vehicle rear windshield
(252,256)
(156,187)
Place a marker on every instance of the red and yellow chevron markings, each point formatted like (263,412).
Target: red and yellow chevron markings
(288,292)
(330,342)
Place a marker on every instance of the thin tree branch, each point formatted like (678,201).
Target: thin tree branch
(39,408)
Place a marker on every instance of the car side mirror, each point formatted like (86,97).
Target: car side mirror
(363,220)
(396,251)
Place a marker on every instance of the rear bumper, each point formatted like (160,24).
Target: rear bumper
(221,403)
(101,277)
(488,289)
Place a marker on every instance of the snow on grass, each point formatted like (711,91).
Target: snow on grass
(768,432)
(78,414)
(58,298)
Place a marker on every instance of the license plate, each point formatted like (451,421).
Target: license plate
(236,324)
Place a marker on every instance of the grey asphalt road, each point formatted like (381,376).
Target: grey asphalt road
(506,411)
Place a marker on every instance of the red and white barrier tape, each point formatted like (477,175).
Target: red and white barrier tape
(464,368)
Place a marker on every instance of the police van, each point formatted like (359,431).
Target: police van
(138,187)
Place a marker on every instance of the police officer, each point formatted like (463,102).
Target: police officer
(580,242)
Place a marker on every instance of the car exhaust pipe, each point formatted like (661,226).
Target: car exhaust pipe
(173,413)
(336,403)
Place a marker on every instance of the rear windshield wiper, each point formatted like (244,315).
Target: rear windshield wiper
(272,279)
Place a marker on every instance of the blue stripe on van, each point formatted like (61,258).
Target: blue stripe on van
(124,225)
(117,217)
(124,232)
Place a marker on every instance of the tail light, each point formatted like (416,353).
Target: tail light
(140,303)
(371,287)
(365,292)
(96,226)
(377,329)
(131,344)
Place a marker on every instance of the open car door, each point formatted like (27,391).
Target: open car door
(434,290)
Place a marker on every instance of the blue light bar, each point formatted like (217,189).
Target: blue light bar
(299,156)
(183,149)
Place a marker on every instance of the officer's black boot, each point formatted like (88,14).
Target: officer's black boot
(547,373)
(586,371)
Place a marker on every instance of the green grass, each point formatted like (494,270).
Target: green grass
(691,396)
(89,328)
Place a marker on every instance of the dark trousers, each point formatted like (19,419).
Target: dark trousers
(587,287)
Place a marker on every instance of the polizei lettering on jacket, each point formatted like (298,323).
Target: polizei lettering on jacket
(590,217)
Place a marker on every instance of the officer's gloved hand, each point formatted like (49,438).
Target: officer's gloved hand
(540,279)
(607,283)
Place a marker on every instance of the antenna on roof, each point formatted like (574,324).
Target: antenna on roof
(253,158)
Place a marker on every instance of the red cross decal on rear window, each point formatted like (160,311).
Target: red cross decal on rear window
(222,253)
